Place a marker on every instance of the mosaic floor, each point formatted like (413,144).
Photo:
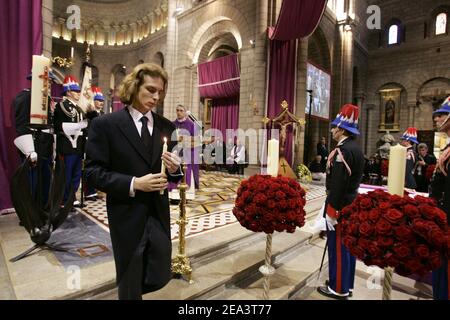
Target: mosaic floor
(211,208)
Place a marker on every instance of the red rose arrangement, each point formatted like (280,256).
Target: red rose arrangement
(408,234)
(269,204)
(429,172)
(384,167)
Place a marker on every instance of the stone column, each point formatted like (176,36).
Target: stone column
(47,27)
(169,61)
(300,99)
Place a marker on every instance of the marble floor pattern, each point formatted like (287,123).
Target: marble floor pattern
(211,209)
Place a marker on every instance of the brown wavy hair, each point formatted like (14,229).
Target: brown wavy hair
(129,87)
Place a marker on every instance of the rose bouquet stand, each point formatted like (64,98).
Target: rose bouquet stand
(267,204)
(266,269)
(395,231)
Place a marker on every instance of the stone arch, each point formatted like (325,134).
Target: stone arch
(118,73)
(218,11)
(434,71)
(216,30)
(319,50)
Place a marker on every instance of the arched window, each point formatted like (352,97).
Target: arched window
(393,34)
(441,23)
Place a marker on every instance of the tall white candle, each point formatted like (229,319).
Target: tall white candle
(163,166)
(273,157)
(40,89)
(397,169)
(71,52)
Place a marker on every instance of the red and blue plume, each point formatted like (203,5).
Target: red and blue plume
(98,95)
(347,119)
(71,83)
(410,135)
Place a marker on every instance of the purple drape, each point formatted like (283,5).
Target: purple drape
(282,84)
(219,78)
(225,115)
(20,38)
(297,19)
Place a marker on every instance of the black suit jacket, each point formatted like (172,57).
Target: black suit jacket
(116,154)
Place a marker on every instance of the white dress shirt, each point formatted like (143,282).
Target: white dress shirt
(136,115)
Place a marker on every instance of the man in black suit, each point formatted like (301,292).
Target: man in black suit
(124,155)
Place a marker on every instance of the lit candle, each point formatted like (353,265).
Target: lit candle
(273,157)
(39,90)
(163,166)
(397,169)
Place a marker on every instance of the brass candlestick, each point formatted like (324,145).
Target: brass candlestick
(180,264)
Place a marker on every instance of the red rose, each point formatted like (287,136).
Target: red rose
(357,252)
(373,250)
(423,251)
(271,204)
(401,251)
(366,203)
(427,211)
(363,243)
(391,260)
(385,241)
(413,265)
(441,217)
(403,232)
(384,206)
(383,227)
(396,200)
(393,216)
(348,241)
(374,215)
(365,229)
(411,211)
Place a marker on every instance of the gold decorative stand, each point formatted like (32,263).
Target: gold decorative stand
(266,269)
(283,120)
(180,264)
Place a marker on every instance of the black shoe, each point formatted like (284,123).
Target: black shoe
(350,291)
(324,290)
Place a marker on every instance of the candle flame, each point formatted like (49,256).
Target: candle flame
(165,139)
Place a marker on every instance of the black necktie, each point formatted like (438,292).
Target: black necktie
(145,134)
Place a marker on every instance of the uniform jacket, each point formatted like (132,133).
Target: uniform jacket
(22,105)
(342,188)
(66,111)
(440,186)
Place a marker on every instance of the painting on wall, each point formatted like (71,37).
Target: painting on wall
(389,110)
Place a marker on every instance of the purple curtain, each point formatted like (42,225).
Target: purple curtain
(225,115)
(20,38)
(282,84)
(298,19)
(219,78)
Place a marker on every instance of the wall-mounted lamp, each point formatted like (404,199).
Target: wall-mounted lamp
(179,9)
(253,43)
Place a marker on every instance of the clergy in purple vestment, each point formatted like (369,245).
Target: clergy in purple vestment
(186,126)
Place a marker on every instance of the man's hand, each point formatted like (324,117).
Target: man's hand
(331,222)
(151,182)
(171,161)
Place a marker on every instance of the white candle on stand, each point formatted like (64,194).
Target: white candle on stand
(273,157)
(40,89)
(163,166)
(397,169)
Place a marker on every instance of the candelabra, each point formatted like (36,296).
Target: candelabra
(180,264)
